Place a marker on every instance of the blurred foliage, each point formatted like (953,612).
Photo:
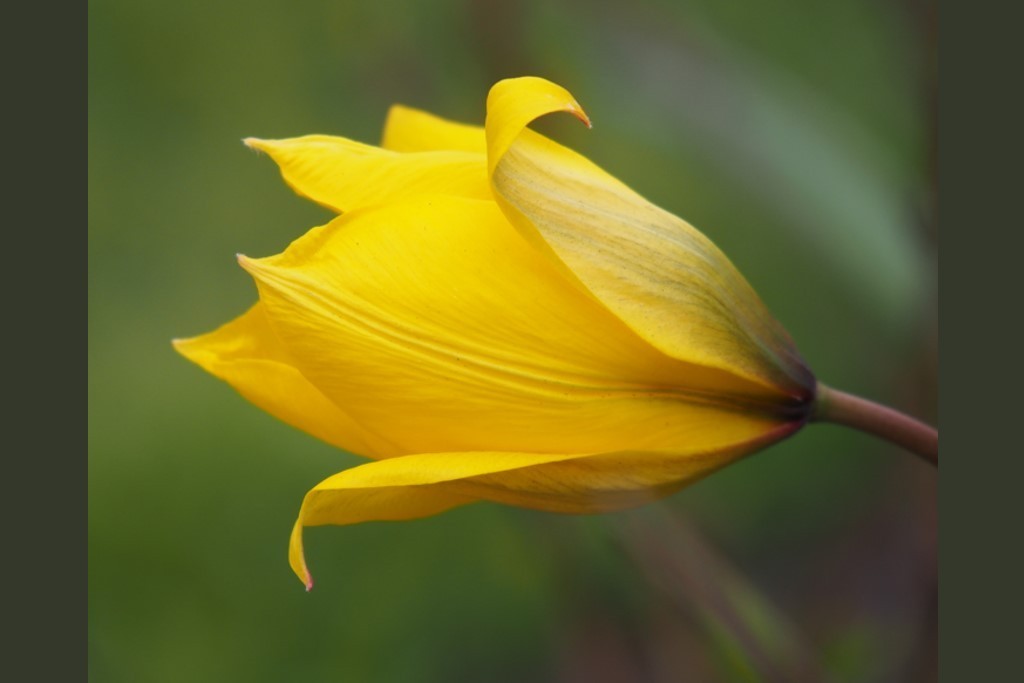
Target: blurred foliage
(795,134)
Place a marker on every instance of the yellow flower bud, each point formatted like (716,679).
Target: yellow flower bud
(493,317)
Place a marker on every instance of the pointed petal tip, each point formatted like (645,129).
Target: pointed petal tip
(255,143)
(185,346)
(576,110)
(254,266)
(193,349)
(249,265)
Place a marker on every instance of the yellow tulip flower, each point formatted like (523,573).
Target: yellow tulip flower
(493,317)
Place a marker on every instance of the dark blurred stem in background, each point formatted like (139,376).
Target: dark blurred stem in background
(699,581)
(842,408)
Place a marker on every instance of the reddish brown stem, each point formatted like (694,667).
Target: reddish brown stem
(842,408)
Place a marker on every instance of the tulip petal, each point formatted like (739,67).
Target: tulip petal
(432,323)
(514,103)
(342,174)
(412,130)
(246,354)
(653,270)
(421,485)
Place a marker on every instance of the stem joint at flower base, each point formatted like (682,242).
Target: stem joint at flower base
(867,416)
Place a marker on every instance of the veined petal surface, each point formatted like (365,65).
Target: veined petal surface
(247,354)
(342,174)
(432,323)
(653,270)
(426,484)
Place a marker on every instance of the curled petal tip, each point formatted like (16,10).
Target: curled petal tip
(576,110)
(309,583)
(514,103)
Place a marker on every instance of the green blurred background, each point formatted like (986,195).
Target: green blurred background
(797,134)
